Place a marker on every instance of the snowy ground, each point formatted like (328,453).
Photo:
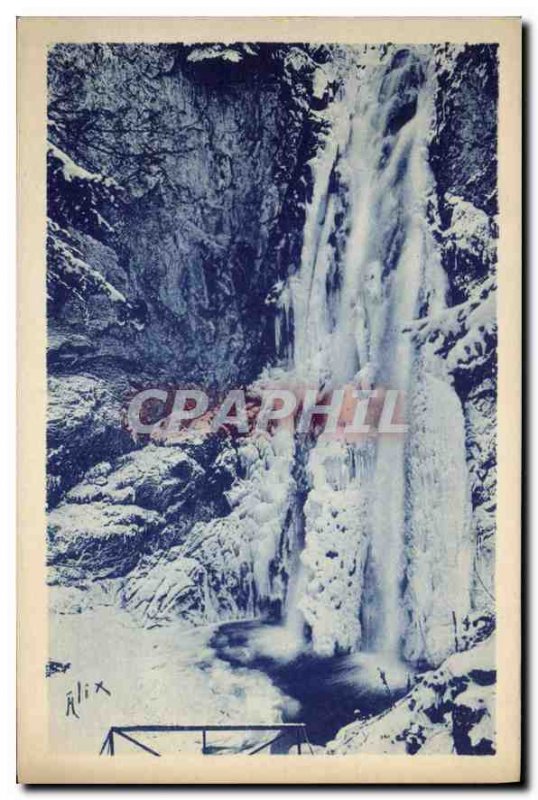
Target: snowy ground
(155,676)
(227,675)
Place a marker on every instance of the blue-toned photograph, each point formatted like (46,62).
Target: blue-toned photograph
(272,398)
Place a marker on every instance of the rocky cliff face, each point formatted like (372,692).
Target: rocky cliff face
(170,220)
(192,192)
(164,266)
(174,188)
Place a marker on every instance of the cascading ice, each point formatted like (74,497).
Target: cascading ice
(373,541)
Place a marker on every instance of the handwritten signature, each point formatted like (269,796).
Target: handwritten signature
(75,698)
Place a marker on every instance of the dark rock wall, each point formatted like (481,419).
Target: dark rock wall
(204,159)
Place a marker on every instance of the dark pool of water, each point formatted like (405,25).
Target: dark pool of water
(330,691)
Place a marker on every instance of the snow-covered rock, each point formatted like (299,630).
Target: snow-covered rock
(168,587)
(154,477)
(463,157)
(449,710)
(120,510)
(84,426)
(98,540)
(225,567)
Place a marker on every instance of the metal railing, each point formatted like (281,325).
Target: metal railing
(283,729)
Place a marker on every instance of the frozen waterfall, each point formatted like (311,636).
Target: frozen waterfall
(387,541)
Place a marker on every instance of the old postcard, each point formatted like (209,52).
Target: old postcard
(269,418)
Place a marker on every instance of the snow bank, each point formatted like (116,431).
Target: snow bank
(449,710)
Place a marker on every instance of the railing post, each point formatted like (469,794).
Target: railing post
(298,742)
(204,742)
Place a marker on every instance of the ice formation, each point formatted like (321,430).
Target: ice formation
(380,516)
